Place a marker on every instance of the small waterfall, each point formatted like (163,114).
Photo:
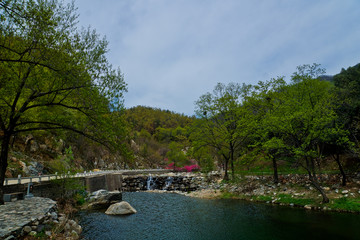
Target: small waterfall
(168,182)
(149,183)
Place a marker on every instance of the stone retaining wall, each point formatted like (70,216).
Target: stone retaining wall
(169,182)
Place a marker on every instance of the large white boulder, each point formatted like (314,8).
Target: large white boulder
(120,208)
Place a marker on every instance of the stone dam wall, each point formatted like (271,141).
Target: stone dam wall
(169,182)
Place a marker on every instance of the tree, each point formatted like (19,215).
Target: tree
(204,157)
(336,141)
(176,156)
(347,84)
(262,103)
(221,122)
(67,185)
(54,76)
(305,112)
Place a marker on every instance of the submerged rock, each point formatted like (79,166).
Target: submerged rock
(121,208)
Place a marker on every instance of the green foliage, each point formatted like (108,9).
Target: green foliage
(228,195)
(288,199)
(176,155)
(79,197)
(222,123)
(63,164)
(300,115)
(144,134)
(261,198)
(154,130)
(203,157)
(54,76)
(249,159)
(41,235)
(348,91)
(206,164)
(344,203)
(67,185)
(275,122)
(155,120)
(150,156)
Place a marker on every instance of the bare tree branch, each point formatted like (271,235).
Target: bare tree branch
(55,126)
(29,62)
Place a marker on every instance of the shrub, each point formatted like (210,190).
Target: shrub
(186,168)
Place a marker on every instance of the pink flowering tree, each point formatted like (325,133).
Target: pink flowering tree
(193,167)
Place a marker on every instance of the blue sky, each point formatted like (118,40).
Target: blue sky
(173,51)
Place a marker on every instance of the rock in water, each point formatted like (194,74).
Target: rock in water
(102,199)
(120,208)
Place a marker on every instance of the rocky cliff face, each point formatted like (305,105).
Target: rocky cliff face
(32,155)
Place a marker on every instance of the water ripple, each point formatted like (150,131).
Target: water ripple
(173,216)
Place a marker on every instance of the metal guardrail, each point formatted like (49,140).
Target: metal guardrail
(43,178)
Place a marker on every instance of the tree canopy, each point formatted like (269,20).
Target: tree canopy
(222,122)
(297,122)
(54,76)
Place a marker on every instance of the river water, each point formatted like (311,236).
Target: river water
(173,216)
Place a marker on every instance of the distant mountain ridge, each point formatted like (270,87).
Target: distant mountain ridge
(329,78)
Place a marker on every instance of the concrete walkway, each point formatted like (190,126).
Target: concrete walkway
(15,215)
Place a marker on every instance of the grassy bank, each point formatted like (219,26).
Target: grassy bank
(292,190)
(298,196)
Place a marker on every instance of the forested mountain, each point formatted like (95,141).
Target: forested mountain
(156,134)
(150,119)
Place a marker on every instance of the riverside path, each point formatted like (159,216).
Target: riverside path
(44,178)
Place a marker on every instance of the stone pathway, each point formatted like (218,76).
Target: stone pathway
(15,215)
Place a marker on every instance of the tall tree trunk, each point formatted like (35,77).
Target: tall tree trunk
(3,163)
(313,180)
(276,176)
(337,159)
(355,139)
(232,164)
(316,184)
(313,170)
(226,176)
(232,169)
